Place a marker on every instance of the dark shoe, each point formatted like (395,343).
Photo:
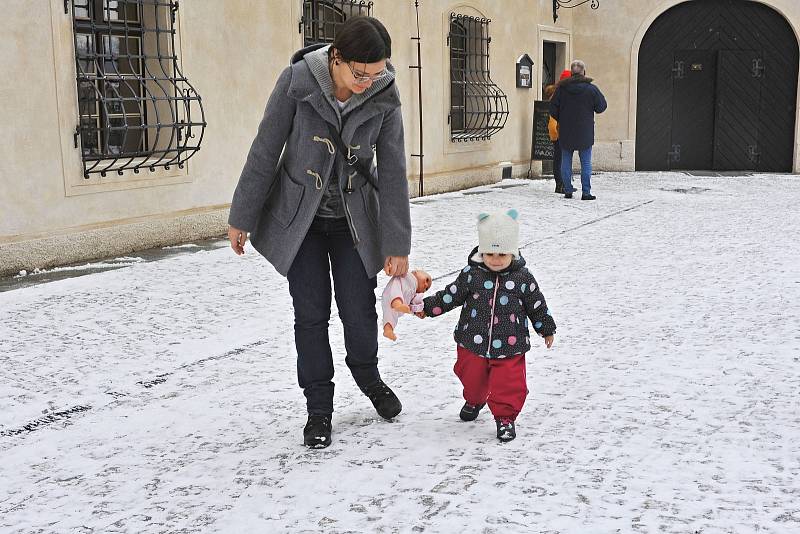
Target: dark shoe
(505,430)
(559,188)
(586,196)
(567,195)
(383,398)
(469,412)
(317,432)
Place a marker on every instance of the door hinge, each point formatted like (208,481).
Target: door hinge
(753,154)
(300,24)
(678,70)
(758,68)
(66,7)
(76,135)
(675,154)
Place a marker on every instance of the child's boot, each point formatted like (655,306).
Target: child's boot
(505,429)
(469,412)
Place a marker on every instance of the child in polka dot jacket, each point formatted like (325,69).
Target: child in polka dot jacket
(497,295)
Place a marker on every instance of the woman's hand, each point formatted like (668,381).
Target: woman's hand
(238,239)
(395,265)
(548,341)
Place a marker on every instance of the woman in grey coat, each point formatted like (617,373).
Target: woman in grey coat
(324,189)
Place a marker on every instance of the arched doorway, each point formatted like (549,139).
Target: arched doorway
(717,89)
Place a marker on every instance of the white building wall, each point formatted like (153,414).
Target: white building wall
(232,51)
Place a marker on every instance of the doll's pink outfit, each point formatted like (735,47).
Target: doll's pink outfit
(404,287)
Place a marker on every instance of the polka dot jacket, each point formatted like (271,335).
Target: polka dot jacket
(495,308)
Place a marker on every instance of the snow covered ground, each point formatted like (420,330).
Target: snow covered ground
(162,397)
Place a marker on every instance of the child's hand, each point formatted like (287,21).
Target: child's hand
(420,314)
(548,341)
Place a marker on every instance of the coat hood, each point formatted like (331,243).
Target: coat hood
(315,57)
(575,84)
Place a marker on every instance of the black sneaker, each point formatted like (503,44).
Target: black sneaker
(469,412)
(567,195)
(587,196)
(559,188)
(383,398)
(505,430)
(317,432)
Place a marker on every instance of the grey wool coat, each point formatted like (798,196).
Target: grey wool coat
(293,158)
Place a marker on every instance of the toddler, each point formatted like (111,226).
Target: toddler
(498,296)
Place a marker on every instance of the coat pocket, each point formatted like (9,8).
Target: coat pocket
(371,205)
(285,200)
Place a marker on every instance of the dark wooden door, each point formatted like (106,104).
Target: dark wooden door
(693,85)
(739,78)
(753,122)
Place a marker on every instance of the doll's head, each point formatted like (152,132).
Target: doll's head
(423,281)
(498,238)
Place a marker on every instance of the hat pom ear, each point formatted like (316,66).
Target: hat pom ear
(513,214)
(482,216)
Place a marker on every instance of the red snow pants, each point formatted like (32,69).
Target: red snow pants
(500,383)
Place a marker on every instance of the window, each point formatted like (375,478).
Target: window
(321,18)
(478,107)
(136,109)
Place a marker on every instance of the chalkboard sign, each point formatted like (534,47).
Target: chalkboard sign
(541,145)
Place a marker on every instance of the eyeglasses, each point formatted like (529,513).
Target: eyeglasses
(364,78)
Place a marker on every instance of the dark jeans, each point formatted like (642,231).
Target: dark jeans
(328,247)
(557,162)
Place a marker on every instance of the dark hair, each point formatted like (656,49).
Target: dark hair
(362,39)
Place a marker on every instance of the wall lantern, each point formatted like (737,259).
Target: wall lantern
(557,4)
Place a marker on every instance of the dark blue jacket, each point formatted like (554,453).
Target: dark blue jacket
(495,308)
(573,105)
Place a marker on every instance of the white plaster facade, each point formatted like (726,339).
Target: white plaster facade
(232,51)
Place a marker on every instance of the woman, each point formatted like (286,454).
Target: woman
(311,210)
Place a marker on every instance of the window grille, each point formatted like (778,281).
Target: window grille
(321,18)
(478,107)
(136,109)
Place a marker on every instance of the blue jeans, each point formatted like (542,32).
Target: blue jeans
(328,247)
(586,170)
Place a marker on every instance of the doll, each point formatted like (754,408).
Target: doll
(403,294)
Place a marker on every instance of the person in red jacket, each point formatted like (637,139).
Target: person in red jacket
(552,127)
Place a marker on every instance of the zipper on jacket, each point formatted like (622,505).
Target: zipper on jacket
(348,215)
(350,223)
(491,318)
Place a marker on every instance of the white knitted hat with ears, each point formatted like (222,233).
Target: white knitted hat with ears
(498,232)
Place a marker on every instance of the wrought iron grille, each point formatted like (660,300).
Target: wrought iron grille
(478,107)
(321,18)
(136,108)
